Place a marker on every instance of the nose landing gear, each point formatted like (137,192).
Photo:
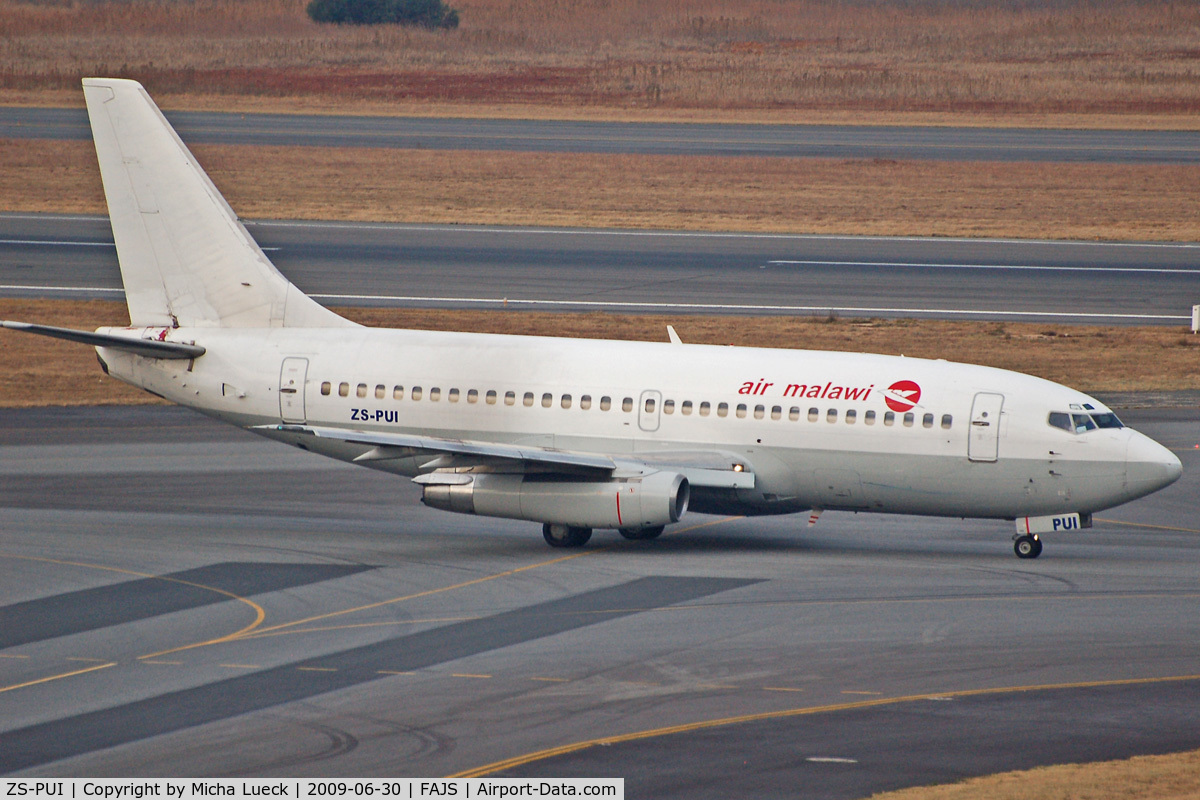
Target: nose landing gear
(1027,546)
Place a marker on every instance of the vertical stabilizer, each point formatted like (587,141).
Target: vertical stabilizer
(186,260)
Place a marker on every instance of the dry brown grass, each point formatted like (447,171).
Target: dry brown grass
(39,371)
(797,58)
(1170,777)
(1078,201)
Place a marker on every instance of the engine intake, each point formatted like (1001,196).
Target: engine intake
(659,498)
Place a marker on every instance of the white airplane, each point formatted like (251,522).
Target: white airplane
(576,434)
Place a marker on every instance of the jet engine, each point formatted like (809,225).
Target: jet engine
(658,498)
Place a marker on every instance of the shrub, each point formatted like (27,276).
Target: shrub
(426,13)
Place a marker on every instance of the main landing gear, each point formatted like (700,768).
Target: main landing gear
(565,535)
(571,536)
(1027,546)
(652,532)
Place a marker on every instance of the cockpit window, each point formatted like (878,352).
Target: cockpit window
(1060,420)
(1082,423)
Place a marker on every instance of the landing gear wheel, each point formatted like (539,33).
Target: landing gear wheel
(565,535)
(1028,546)
(652,532)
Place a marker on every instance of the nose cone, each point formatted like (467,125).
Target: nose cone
(1149,466)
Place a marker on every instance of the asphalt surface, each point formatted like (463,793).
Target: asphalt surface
(694,139)
(181,598)
(451,266)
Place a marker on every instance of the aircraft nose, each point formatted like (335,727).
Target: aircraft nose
(1148,465)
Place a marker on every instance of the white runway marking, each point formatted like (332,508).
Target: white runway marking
(643,306)
(809,237)
(1017,267)
(822,309)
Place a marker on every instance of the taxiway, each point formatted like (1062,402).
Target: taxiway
(182,598)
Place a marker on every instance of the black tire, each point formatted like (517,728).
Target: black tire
(565,535)
(1028,547)
(652,532)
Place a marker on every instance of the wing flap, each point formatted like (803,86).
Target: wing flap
(706,468)
(404,445)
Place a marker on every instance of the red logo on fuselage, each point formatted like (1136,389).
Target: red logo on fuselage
(902,395)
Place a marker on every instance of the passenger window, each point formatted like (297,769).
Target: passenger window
(760,412)
(472,395)
(705,408)
(668,406)
(510,398)
(627,404)
(814,414)
(947,421)
(794,413)
(831,415)
(380,391)
(362,390)
(908,419)
(566,401)
(547,400)
(435,393)
(685,408)
(723,409)
(452,396)
(397,392)
(527,400)
(416,392)
(605,403)
(851,416)
(490,397)
(343,389)
(649,405)
(741,411)
(869,418)
(585,402)
(927,421)
(889,418)
(326,388)
(776,412)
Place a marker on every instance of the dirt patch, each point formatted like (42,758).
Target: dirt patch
(1142,778)
(880,197)
(35,370)
(796,58)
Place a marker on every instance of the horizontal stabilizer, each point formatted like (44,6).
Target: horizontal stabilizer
(150,348)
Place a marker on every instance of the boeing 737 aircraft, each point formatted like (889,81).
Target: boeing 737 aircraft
(576,434)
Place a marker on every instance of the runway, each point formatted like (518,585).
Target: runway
(452,266)
(180,598)
(691,139)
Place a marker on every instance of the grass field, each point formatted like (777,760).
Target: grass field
(798,60)
(38,371)
(908,198)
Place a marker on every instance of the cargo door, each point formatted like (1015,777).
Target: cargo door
(292,377)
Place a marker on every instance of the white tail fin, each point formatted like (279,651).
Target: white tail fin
(186,260)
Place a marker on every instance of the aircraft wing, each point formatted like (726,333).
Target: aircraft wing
(708,468)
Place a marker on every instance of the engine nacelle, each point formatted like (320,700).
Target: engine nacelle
(659,498)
